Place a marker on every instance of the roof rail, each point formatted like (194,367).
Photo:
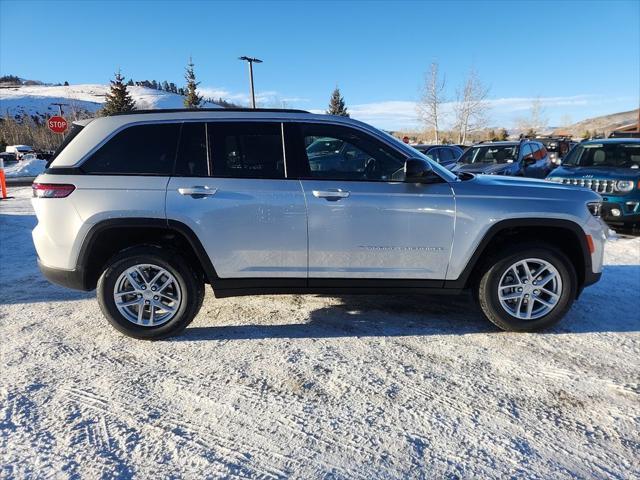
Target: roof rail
(182,110)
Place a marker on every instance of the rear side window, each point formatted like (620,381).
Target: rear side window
(246,149)
(192,158)
(540,154)
(138,150)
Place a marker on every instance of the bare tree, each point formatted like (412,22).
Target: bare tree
(538,118)
(471,106)
(536,121)
(430,105)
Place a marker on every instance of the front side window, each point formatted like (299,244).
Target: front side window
(353,155)
(137,150)
(246,149)
(490,154)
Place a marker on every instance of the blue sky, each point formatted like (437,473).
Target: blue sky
(582,58)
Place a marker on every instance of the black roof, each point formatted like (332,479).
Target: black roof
(182,110)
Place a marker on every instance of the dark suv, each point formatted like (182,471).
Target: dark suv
(445,155)
(610,167)
(520,159)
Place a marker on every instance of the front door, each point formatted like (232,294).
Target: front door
(364,221)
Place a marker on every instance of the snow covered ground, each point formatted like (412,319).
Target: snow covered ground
(39,99)
(315,386)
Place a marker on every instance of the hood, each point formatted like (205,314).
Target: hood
(487,168)
(596,172)
(504,187)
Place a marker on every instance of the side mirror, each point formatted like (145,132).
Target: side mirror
(417,170)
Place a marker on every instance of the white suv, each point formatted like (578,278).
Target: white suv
(148,207)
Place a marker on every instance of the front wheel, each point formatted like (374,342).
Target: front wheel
(528,290)
(149,293)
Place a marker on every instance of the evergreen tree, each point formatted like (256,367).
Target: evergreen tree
(165,86)
(336,104)
(154,85)
(130,83)
(66,84)
(192,99)
(118,99)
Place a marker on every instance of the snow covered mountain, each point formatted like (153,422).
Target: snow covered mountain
(80,100)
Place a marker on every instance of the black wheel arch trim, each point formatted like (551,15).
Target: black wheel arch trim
(141,222)
(589,277)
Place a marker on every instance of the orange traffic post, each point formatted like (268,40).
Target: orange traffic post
(3,180)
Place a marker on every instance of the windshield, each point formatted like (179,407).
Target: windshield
(324,146)
(490,154)
(620,155)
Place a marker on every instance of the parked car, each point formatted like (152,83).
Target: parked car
(8,157)
(19,150)
(445,155)
(147,207)
(521,159)
(610,167)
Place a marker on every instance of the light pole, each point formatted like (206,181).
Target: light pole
(251,61)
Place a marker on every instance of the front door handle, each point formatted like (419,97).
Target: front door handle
(333,194)
(197,191)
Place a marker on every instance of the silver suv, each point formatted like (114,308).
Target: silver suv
(148,207)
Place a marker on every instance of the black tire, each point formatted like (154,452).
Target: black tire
(190,283)
(487,287)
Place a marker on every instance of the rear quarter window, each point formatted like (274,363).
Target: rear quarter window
(137,150)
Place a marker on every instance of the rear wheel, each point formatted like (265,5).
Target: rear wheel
(528,290)
(149,293)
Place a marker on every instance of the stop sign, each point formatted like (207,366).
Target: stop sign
(57,124)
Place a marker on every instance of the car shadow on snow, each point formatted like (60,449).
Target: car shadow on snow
(363,316)
(608,306)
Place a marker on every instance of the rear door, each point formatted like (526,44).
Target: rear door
(231,188)
(364,221)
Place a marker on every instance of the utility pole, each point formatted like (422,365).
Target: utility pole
(251,61)
(60,105)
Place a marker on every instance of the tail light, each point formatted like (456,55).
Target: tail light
(52,190)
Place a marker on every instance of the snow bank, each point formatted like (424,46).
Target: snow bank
(26,168)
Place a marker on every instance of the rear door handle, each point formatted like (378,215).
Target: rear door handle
(332,194)
(197,191)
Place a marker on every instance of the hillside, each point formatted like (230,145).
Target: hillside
(81,100)
(604,124)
